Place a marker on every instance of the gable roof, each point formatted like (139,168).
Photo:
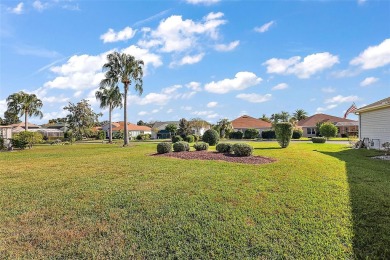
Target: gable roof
(311,121)
(130,127)
(374,106)
(250,122)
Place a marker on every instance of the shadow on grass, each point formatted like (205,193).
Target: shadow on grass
(267,148)
(369,184)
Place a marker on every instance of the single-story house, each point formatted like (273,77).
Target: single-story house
(59,126)
(245,122)
(346,127)
(374,123)
(6,134)
(133,129)
(16,128)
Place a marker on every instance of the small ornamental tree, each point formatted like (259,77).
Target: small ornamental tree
(211,137)
(283,131)
(328,130)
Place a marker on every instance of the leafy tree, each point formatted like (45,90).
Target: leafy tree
(197,124)
(121,67)
(300,114)
(225,127)
(283,131)
(284,116)
(328,130)
(184,127)
(265,118)
(81,118)
(171,128)
(58,120)
(24,104)
(109,97)
(140,122)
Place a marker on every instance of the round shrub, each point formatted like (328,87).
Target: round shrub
(236,135)
(224,148)
(164,147)
(283,131)
(211,137)
(297,134)
(242,149)
(328,130)
(189,138)
(251,133)
(201,146)
(318,140)
(181,146)
(177,138)
(268,134)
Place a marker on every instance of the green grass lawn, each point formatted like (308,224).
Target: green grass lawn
(105,201)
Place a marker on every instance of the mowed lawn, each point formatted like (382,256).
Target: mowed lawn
(105,201)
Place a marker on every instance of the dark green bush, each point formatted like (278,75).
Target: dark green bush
(251,133)
(242,149)
(318,140)
(176,138)
(117,135)
(143,137)
(224,148)
(19,143)
(211,137)
(181,146)
(328,130)
(201,146)
(2,144)
(283,131)
(164,147)
(236,135)
(268,134)
(297,134)
(189,138)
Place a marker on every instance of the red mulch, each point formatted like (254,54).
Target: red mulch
(204,155)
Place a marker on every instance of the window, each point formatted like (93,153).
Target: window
(311,131)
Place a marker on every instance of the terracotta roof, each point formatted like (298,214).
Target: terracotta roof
(376,105)
(249,122)
(131,127)
(313,120)
(22,124)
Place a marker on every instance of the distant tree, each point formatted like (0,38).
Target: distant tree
(10,118)
(171,128)
(184,127)
(197,124)
(122,67)
(284,116)
(58,120)
(1,121)
(140,122)
(300,114)
(25,104)
(328,130)
(225,127)
(81,118)
(265,118)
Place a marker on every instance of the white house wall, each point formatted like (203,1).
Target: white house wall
(375,125)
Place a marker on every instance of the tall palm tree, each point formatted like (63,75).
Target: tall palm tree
(300,114)
(112,98)
(25,104)
(121,67)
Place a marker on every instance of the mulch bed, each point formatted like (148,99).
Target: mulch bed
(204,155)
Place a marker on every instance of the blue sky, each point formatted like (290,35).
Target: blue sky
(211,59)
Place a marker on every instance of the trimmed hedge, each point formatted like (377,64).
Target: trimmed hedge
(297,134)
(283,131)
(224,148)
(251,133)
(181,146)
(189,138)
(201,146)
(268,134)
(164,147)
(236,135)
(176,138)
(318,140)
(211,137)
(242,149)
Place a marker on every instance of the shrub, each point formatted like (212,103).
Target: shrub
(386,147)
(176,138)
(251,133)
(328,130)
(196,138)
(297,134)
(164,147)
(211,137)
(181,146)
(224,148)
(101,135)
(117,135)
(344,135)
(189,138)
(236,135)
(268,134)
(318,140)
(283,131)
(143,137)
(242,149)
(28,137)
(18,143)
(201,146)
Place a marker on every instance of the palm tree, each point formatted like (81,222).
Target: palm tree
(124,68)
(300,114)
(25,104)
(225,126)
(284,116)
(111,98)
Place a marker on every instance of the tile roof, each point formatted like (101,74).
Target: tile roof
(379,104)
(250,122)
(130,127)
(22,124)
(313,120)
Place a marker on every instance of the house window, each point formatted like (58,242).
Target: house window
(311,131)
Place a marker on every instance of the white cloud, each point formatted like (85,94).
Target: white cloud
(171,90)
(151,98)
(323,109)
(227,47)
(264,27)
(203,113)
(78,93)
(112,36)
(242,80)
(374,56)
(187,95)
(150,59)
(142,113)
(368,81)
(254,98)
(169,111)
(3,107)
(154,111)
(309,66)
(211,116)
(212,104)
(38,5)
(280,86)
(187,108)
(18,9)
(195,86)
(328,90)
(188,59)
(341,99)
(54,99)
(205,2)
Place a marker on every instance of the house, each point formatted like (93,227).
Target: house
(16,128)
(133,129)
(245,122)
(6,134)
(374,122)
(59,126)
(346,127)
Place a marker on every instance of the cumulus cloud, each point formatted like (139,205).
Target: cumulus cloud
(150,59)
(142,113)
(153,98)
(112,36)
(188,59)
(195,86)
(227,47)
(328,90)
(374,56)
(212,104)
(368,81)
(254,98)
(242,80)
(264,27)
(323,109)
(341,99)
(280,86)
(205,2)
(305,68)
(171,89)
(38,5)
(18,9)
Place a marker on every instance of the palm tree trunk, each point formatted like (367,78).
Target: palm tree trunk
(110,128)
(25,121)
(126,133)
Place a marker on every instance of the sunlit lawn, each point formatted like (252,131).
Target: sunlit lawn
(105,201)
